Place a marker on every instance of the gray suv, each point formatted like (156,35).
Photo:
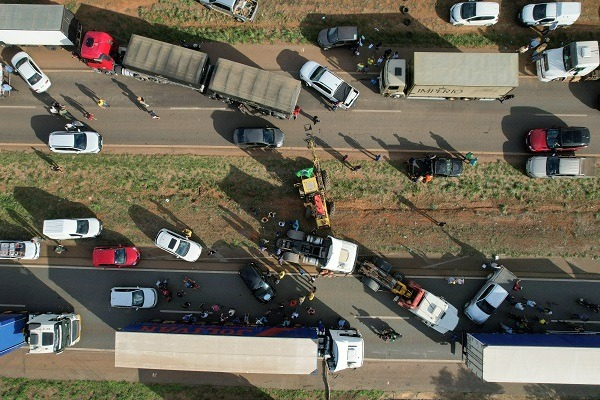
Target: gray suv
(338,36)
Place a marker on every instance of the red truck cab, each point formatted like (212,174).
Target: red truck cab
(98,50)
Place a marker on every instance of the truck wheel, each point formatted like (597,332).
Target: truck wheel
(326,180)
(371,284)
(466,98)
(331,208)
(140,78)
(306,83)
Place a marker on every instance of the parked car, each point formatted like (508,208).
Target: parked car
(485,302)
(547,14)
(560,167)
(256,282)
(435,166)
(19,249)
(258,137)
(558,139)
(119,256)
(75,142)
(328,84)
(178,245)
(338,36)
(79,228)
(30,72)
(474,13)
(133,297)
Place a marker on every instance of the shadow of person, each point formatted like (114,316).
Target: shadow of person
(45,157)
(130,95)
(413,207)
(445,146)
(355,145)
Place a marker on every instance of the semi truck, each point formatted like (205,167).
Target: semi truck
(38,25)
(432,310)
(236,349)
(42,333)
(327,253)
(574,62)
(19,249)
(572,358)
(450,76)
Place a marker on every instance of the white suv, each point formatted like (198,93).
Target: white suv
(79,228)
(328,84)
(133,297)
(30,72)
(178,245)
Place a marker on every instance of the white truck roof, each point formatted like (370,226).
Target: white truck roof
(342,256)
(348,349)
(239,350)
(437,313)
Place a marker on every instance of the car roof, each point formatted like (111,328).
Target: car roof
(330,80)
(487,8)
(575,136)
(496,295)
(347,32)
(251,275)
(252,135)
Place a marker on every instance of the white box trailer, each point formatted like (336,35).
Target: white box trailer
(235,349)
(468,76)
(535,358)
(39,25)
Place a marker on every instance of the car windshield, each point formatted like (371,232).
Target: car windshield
(552,138)
(33,79)
(83,226)
(80,141)
(467,10)
(539,12)
(268,136)
(120,256)
(552,166)
(183,248)
(317,74)
(332,35)
(137,298)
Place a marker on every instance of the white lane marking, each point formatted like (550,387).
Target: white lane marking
(560,115)
(377,111)
(13,305)
(378,317)
(28,107)
(198,108)
(90,350)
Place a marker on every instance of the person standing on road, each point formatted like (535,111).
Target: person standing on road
(296,112)
(142,102)
(153,115)
(102,103)
(315,120)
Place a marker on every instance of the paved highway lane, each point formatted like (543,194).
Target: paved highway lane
(86,290)
(191,119)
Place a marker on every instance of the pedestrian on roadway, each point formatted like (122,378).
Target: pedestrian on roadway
(530,303)
(519,306)
(153,115)
(379,61)
(315,120)
(142,102)
(335,105)
(295,314)
(102,103)
(296,112)
(356,168)
(377,157)
(311,311)
(89,116)
(517,286)
(187,304)
(360,67)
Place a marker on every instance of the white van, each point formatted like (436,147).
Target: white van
(79,228)
(551,14)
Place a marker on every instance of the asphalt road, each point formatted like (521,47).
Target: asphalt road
(86,290)
(190,119)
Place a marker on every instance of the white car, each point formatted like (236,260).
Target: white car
(548,14)
(475,13)
(75,142)
(133,297)
(30,72)
(328,84)
(487,300)
(64,229)
(178,245)
(560,167)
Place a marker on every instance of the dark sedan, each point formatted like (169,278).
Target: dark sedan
(434,166)
(258,137)
(338,36)
(257,283)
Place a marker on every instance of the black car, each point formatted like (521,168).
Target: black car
(435,166)
(258,137)
(338,36)
(257,283)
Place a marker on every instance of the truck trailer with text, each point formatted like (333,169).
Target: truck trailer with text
(236,349)
(450,76)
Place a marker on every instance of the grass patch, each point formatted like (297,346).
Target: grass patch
(19,388)
(373,207)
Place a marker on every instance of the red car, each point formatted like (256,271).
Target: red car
(120,256)
(558,139)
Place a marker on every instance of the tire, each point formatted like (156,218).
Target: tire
(306,83)
(326,180)
(140,78)
(326,48)
(399,277)
(371,284)
(331,208)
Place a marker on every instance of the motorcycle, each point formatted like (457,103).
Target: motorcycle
(591,306)
(389,335)
(190,283)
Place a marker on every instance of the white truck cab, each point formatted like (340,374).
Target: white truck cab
(558,14)
(53,333)
(575,60)
(241,10)
(347,350)
(437,313)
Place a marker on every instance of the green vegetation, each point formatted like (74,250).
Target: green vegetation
(18,388)
(375,206)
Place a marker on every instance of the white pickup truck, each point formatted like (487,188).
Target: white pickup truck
(19,249)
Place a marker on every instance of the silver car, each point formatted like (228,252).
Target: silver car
(328,84)
(258,137)
(133,297)
(75,142)
(30,72)
(178,245)
(485,302)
